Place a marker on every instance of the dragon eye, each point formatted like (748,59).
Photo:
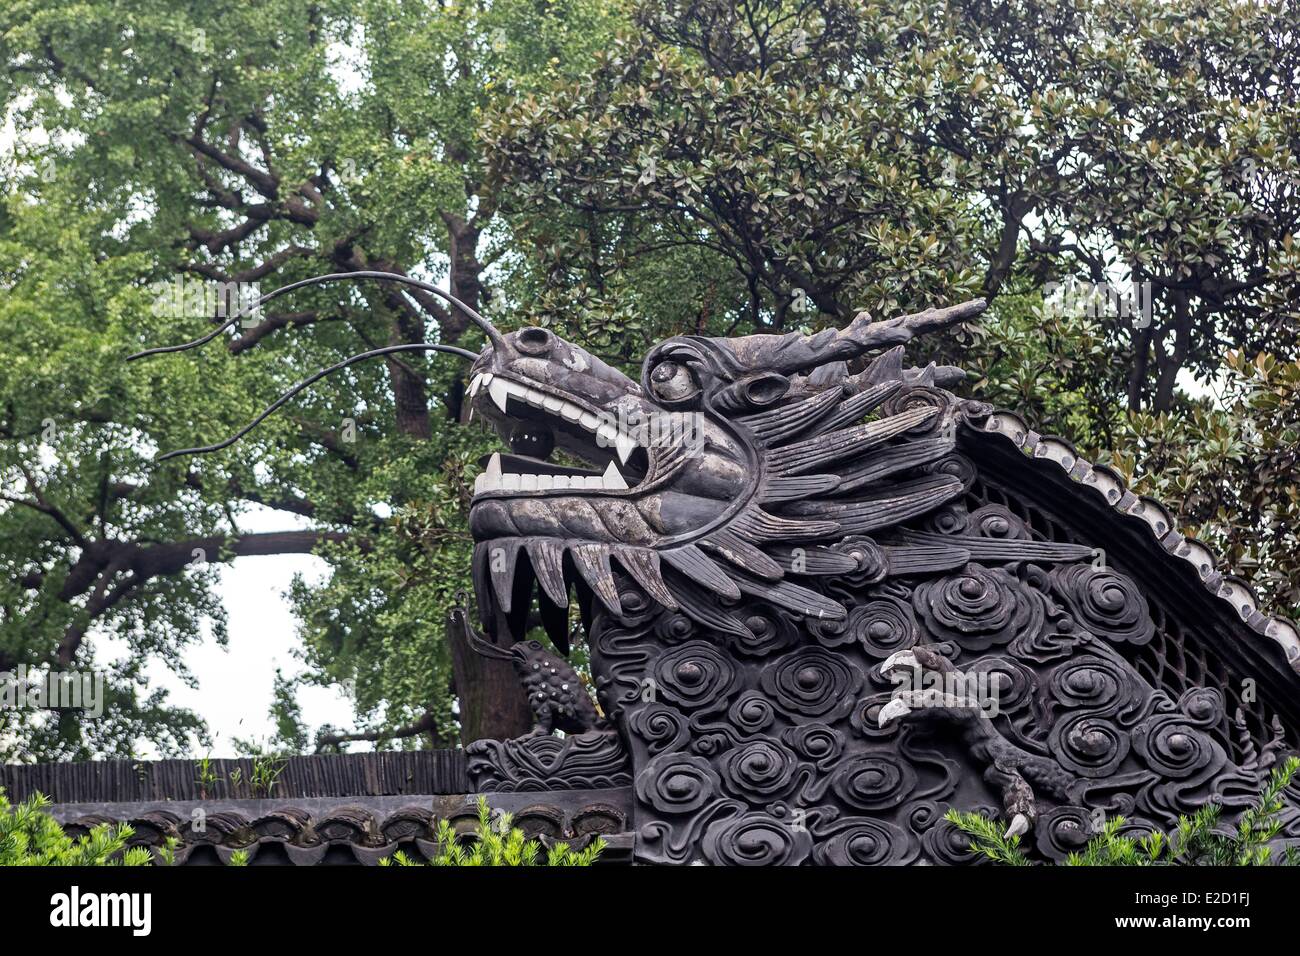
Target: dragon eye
(673,382)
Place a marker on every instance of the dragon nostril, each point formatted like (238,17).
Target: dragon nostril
(533,341)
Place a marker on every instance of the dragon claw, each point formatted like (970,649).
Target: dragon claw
(897,707)
(899,659)
(1019,825)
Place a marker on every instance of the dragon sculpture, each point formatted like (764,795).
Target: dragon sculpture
(808,636)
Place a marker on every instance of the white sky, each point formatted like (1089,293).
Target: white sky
(235,682)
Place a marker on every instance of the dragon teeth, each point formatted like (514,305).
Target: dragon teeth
(492,479)
(499,391)
(613,478)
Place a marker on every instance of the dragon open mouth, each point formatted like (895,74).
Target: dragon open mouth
(537,420)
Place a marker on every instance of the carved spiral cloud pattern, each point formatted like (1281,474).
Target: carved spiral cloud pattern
(978,608)
(772,753)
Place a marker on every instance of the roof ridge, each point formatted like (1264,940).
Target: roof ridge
(1111,485)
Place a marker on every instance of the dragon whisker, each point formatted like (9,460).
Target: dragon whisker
(311,380)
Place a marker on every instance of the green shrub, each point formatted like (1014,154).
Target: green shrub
(1197,841)
(497,843)
(31,837)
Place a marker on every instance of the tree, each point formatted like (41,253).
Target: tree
(1226,462)
(1230,466)
(850,154)
(721,166)
(172,160)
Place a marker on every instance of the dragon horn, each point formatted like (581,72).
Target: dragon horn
(796,352)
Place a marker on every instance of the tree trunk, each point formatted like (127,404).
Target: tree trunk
(1170,362)
(466,278)
(1014,209)
(1141,359)
(492,702)
(410,399)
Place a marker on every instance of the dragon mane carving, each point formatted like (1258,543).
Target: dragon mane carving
(808,637)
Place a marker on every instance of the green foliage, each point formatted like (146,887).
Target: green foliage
(205,776)
(30,837)
(749,146)
(266,771)
(496,843)
(166,854)
(1226,462)
(1052,366)
(987,839)
(1229,466)
(1110,848)
(846,154)
(1198,840)
(290,734)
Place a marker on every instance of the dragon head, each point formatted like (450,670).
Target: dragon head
(734,467)
(736,472)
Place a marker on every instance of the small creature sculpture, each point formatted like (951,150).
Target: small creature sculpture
(556,694)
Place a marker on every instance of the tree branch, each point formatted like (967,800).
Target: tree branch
(426,724)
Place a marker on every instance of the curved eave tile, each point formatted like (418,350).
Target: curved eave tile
(1111,486)
(370,835)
